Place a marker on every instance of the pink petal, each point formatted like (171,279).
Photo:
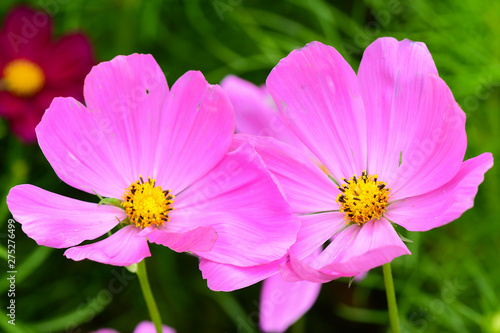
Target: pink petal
(256,113)
(283,303)
(123,248)
(224,277)
(361,248)
(415,118)
(361,276)
(445,204)
(353,250)
(295,269)
(57,221)
(391,78)
(149,327)
(316,91)
(241,201)
(306,187)
(196,131)
(106,147)
(200,239)
(315,230)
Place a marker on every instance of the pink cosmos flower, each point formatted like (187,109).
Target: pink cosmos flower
(34,68)
(393,140)
(160,158)
(143,327)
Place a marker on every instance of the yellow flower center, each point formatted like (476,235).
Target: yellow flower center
(363,199)
(147,204)
(23,78)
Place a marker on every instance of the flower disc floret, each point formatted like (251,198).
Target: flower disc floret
(147,204)
(23,77)
(363,199)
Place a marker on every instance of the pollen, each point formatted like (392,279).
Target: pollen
(363,199)
(23,78)
(147,204)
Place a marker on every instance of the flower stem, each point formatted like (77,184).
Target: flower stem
(148,296)
(391,298)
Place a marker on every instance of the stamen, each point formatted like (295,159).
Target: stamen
(147,204)
(363,201)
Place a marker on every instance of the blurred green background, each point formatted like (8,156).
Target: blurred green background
(451,283)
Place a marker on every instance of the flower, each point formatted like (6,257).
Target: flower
(142,327)
(34,68)
(393,140)
(160,160)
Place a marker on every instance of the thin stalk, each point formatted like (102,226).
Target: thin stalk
(148,296)
(391,298)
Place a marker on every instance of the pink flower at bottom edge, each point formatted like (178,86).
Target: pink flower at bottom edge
(161,160)
(142,327)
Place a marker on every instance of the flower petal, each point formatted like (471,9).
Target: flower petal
(315,230)
(68,61)
(224,277)
(256,113)
(353,250)
(391,79)
(295,269)
(123,248)
(417,129)
(149,327)
(306,187)
(57,221)
(283,303)
(437,149)
(197,129)
(361,248)
(444,204)
(106,147)
(241,201)
(316,91)
(199,239)
(26,32)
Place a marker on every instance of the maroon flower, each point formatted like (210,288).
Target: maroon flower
(34,68)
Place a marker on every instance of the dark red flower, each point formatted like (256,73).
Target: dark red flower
(34,68)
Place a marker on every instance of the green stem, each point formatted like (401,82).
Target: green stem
(148,296)
(391,298)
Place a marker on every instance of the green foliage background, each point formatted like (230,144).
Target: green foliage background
(450,283)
